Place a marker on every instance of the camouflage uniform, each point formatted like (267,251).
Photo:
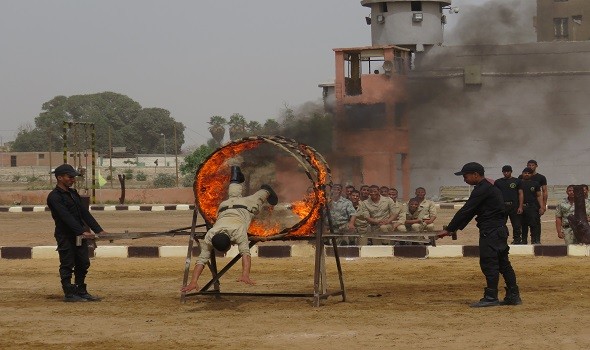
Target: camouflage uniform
(233,221)
(340,212)
(563,210)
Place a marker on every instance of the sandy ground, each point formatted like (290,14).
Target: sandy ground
(36,228)
(391,302)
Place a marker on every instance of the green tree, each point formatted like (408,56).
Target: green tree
(253,128)
(237,126)
(193,160)
(271,127)
(217,128)
(131,126)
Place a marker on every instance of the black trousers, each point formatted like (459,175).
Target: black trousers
(72,259)
(493,257)
(515,221)
(531,218)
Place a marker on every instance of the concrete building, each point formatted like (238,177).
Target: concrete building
(563,20)
(371,128)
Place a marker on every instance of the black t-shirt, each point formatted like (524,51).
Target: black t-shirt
(541,179)
(530,189)
(509,188)
(486,203)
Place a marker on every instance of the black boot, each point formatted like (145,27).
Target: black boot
(236,175)
(490,298)
(83,293)
(512,296)
(71,293)
(272,196)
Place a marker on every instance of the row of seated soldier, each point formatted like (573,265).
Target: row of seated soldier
(367,215)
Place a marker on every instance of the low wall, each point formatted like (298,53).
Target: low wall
(182,195)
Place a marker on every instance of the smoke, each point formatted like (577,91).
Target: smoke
(523,107)
(494,22)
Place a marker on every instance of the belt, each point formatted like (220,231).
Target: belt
(235,206)
(508,203)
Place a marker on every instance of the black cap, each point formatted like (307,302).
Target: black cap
(506,168)
(532,161)
(528,170)
(471,167)
(66,169)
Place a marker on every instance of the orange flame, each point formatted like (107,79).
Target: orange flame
(212,181)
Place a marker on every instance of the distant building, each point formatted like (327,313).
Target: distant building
(562,20)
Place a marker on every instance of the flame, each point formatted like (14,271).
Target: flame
(212,180)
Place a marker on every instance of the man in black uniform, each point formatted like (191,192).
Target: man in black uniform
(541,179)
(531,207)
(509,187)
(71,218)
(487,204)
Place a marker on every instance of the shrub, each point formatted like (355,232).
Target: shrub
(16,177)
(140,176)
(188,180)
(128,174)
(164,180)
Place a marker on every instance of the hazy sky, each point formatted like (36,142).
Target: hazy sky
(193,58)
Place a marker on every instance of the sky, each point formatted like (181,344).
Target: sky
(194,58)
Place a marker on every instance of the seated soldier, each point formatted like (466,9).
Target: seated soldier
(233,219)
(426,206)
(380,212)
(415,219)
(384,191)
(360,224)
(342,214)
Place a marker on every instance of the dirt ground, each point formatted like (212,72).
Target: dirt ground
(36,228)
(391,302)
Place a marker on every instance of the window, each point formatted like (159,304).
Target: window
(416,5)
(561,28)
(383,6)
(577,19)
(12,161)
(363,116)
(400,111)
(41,156)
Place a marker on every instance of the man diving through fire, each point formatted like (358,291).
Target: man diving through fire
(233,219)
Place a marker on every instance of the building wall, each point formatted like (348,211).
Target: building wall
(575,14)
(42,159)
(371,128)
(398,27)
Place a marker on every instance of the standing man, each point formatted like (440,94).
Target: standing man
(531,207)
(562,211)
(542,180)
(233,219)
(71,218)
(487,204)
(509,187)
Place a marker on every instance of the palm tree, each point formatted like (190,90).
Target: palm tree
(237,126)
(217,128)
(254,128)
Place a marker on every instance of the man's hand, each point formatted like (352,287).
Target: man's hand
(246,279)
(519,210)
(88,235)
(443,234)
(542,210)
(189,287)
(560,234)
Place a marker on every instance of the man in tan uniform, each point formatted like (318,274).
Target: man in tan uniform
(427,208)
(233,219)
(380,212)
(415,220)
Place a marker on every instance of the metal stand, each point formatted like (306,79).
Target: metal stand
(320,288)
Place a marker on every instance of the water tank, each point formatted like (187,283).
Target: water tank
(411,24)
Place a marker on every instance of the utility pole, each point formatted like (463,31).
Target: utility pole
(175,154)
(110,157)
(165,163)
